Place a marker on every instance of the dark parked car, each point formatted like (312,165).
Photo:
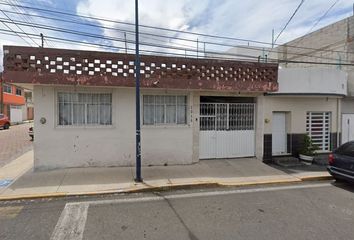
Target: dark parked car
(341,162)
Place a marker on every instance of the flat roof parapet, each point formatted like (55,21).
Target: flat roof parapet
(29,65)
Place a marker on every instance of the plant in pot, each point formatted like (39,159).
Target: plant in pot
(308,150)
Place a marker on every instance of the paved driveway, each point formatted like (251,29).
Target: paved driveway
(14,142)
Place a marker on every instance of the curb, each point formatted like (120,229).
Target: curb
(146,188)
(316,178)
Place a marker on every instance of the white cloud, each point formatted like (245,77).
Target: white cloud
(251,19)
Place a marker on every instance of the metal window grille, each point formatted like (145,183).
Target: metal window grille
(84,109)
(227,116)
(318,127)
(164,109)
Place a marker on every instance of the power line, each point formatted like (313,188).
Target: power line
(25,17)
(16,33)
(7,32)
(69,31)
(166,29)
(17,25)
(325,14)
(292,16)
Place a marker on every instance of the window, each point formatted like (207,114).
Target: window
(318,127)
(7,88)
(18,91)
(84,109)
(164,109)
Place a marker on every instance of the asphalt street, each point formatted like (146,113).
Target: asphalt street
(314,210)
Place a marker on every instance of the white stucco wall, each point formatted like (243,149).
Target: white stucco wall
(312,81)
(297,107)
(58,146)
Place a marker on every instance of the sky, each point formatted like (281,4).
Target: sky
(249,20)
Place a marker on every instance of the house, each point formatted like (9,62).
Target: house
(333,47)
(192,108)
(12,102)
(308,102)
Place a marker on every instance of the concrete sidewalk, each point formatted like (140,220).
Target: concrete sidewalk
(24,183)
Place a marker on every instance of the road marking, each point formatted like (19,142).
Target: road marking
(71,223)
(10,212)
(206,194)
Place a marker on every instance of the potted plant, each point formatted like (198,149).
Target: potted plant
(307,151)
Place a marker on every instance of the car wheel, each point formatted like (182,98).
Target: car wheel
(6,126)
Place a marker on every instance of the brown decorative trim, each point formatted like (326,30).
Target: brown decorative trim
(30,65)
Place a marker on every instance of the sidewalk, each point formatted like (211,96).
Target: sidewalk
(24,183)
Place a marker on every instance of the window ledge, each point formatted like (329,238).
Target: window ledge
(84,127)
(166,126)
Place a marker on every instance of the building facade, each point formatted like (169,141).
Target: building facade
(192,109)
(12,102)
(332,47)
(308,102)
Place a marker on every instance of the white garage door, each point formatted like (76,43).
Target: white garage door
(227,130)
(16,114)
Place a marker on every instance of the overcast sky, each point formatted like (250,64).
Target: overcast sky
(246,19)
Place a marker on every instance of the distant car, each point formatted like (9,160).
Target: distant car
(341,162)
(31,133)
(4,121)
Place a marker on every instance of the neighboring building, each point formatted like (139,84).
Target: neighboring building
(308,102)
(192,109)
(332,44)
(13,102)
(29,105)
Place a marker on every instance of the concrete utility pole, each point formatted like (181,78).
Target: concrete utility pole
(42,40)
(138,177)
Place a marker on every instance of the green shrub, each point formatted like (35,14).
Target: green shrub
(308,148)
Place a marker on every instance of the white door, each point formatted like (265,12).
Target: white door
(347,127)
(226,130)
(279,137)
(16,114)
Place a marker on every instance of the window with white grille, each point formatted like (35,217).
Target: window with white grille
(318,127)
(84,109)
(164,109)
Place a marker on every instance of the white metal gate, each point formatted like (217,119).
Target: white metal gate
(16,114)
(227,130)
(318,126)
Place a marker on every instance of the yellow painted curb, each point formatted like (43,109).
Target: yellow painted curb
(146,188)
(316,178)
(32,196)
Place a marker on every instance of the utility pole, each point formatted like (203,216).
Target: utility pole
(273,38)
(125,42)
(42,40)
(138,177)
(204,49)
(197,48)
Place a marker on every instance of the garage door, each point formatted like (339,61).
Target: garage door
(227,130)
(16,114)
